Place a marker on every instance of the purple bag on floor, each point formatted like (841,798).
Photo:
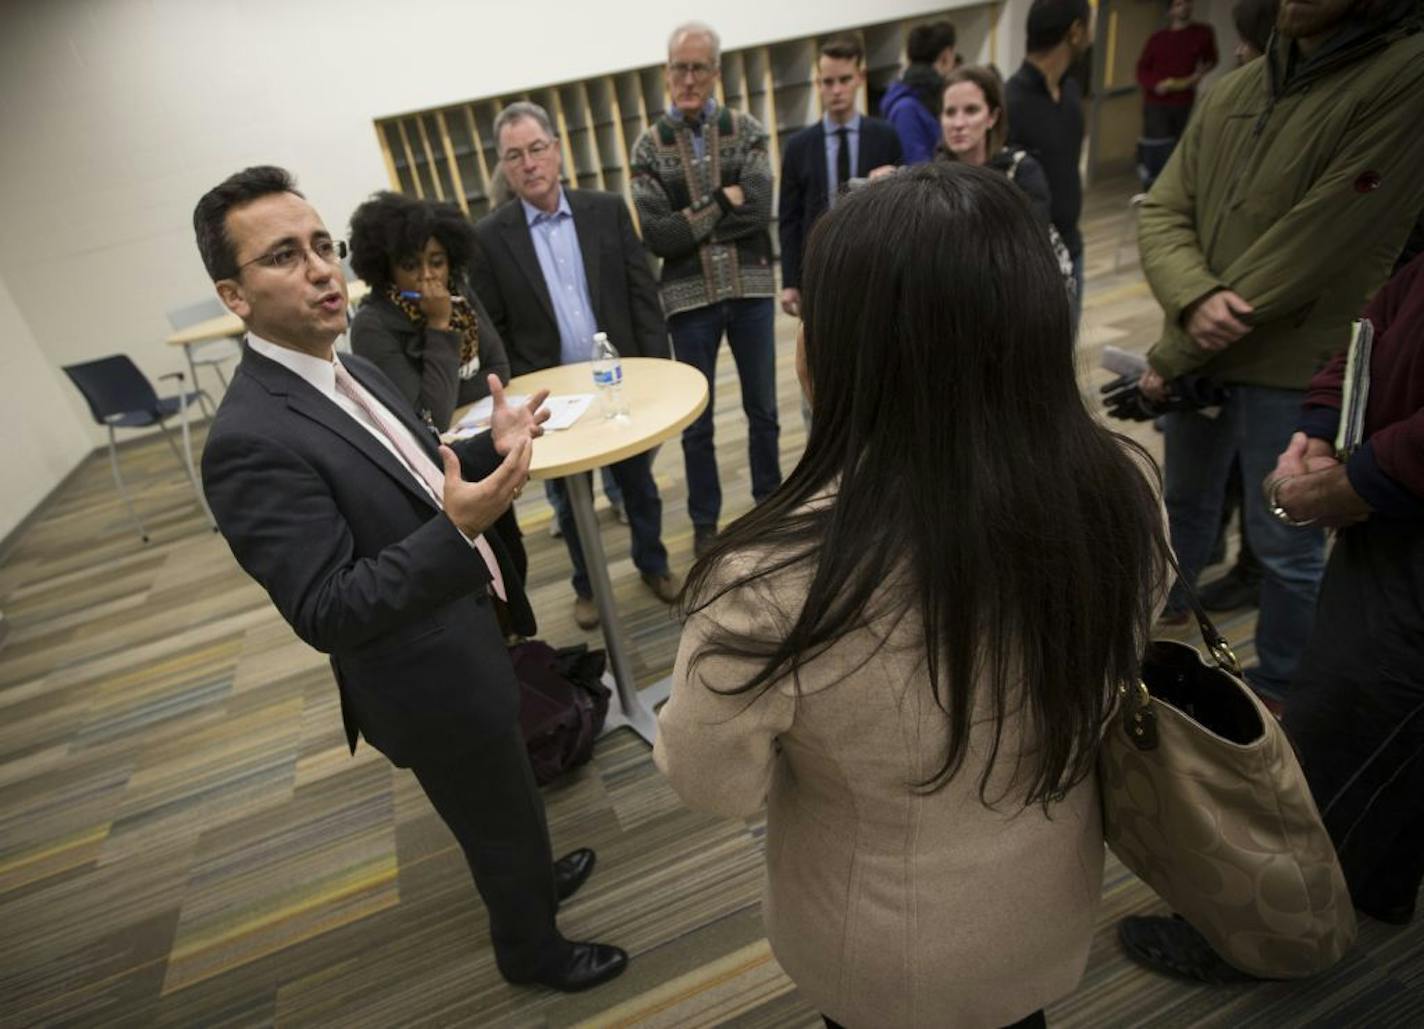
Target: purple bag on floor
(562,704)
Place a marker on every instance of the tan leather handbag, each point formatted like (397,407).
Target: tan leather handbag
(1203,798)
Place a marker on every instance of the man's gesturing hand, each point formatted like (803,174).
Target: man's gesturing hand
(509,425)
(1215,323)
(474,506)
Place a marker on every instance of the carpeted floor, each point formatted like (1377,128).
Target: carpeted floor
(185,840)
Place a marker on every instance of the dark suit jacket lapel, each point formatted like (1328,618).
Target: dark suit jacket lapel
(587,228)
(517,236)
(307,401)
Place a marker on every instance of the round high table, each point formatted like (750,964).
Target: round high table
(664,397)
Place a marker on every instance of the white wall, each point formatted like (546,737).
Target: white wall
(116,115)
(43,440)
(1217,14)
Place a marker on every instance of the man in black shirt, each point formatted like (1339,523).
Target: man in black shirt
(1046,111)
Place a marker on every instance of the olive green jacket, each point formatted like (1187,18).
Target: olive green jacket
(1297,192)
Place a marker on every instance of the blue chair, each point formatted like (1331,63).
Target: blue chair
(120,397)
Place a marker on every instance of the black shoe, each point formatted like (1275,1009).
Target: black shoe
(703,536)
(1171,945)
(585,966)
(1232,592)
(571,870)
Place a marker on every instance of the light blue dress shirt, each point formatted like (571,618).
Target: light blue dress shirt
(556,245)
(833,149)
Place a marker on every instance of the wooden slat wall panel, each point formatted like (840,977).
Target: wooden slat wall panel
(775,83)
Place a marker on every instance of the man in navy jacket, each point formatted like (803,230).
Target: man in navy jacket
(820,161)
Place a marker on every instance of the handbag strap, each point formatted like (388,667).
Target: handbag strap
(1216,643)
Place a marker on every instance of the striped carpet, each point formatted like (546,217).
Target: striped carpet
(184,839)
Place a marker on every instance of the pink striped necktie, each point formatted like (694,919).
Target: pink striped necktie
(417,460)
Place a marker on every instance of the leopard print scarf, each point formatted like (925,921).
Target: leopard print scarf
(462,320)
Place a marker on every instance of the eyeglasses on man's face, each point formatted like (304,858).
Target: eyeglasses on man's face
(690,69)
(514,155)
(286,257)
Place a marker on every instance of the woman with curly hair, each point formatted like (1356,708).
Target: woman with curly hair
(422,323)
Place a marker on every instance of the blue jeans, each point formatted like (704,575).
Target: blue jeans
(1255,424)
(645,519)
(559,499)
(696,336)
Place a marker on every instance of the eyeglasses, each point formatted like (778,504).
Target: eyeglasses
(534,150)
(696,70)
(286,257)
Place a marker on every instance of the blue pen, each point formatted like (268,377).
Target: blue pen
(409,294)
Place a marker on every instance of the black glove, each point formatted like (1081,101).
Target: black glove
(1125,401)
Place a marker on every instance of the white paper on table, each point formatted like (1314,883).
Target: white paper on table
(564,411)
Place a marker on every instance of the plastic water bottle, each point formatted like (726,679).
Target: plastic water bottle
(608,377)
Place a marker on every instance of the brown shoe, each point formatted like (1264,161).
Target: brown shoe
(665,587)
(585,613)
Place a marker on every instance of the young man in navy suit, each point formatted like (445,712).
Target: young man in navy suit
(371,542)
(821,160)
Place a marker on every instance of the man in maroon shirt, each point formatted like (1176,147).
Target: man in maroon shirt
(1356,710)
(1172,63)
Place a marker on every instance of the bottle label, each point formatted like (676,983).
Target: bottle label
(603,377)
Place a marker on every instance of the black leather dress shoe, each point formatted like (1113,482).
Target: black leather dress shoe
(585,966)
(571,870)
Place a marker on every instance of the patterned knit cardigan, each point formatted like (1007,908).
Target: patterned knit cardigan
(711,250)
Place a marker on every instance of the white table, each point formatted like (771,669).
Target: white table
(664,397)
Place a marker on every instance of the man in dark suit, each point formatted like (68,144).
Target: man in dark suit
(331,495)
(821,160)
(553,267)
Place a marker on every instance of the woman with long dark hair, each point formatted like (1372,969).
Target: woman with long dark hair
(974,125)
(910,650)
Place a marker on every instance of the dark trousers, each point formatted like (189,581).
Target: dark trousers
(1162,127)
(1246,567)
(645,519)
(1164,121)
(1033,1021)
(1356,710)
(696,337)
(490,801)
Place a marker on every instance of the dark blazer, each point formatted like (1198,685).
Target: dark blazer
(804,189)
(360,562)
(424,363)
(505,273)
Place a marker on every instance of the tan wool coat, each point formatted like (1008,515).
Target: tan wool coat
(888,906)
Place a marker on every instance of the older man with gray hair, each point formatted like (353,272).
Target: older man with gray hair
(552,269)
(702,186)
